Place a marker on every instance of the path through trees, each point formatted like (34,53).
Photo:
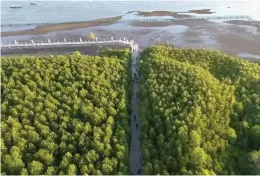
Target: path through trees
(135,149)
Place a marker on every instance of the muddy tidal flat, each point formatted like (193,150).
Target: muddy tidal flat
(63,26)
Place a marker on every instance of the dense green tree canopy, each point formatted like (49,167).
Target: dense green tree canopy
(200,112)
(69,115)
(65,114)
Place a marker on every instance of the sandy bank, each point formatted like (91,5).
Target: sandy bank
(201,11)
(63,26)
(162,13)
(173,14)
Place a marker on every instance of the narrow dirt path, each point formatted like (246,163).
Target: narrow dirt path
(135,149)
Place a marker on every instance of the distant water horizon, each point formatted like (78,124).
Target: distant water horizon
(63,11)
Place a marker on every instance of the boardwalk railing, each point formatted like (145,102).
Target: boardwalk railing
(64,43)
(256,22)
(142,20)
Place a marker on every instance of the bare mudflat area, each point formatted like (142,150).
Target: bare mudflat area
(173,14)
(245,23)
(170,13)
(162,13)
(62,26)
(232,37)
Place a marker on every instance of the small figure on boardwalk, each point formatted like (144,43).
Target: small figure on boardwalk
(136,126)
(139,172)
(134,117)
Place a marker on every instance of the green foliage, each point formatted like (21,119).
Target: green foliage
(69,115)
(254,158)
(91,36)
(65,114)
(200,111)
(35,168)
(120,54)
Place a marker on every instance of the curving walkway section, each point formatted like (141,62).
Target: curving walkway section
(135,148)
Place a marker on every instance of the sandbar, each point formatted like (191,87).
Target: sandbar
(173,14)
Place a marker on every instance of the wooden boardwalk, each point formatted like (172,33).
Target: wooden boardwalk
(65,43)
(135,148)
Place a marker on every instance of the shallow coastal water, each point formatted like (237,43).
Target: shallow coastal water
(16,28)
(62,11)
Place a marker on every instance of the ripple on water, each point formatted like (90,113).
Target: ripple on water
(16,28)
(247,55)
(173,29)
(208,40)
